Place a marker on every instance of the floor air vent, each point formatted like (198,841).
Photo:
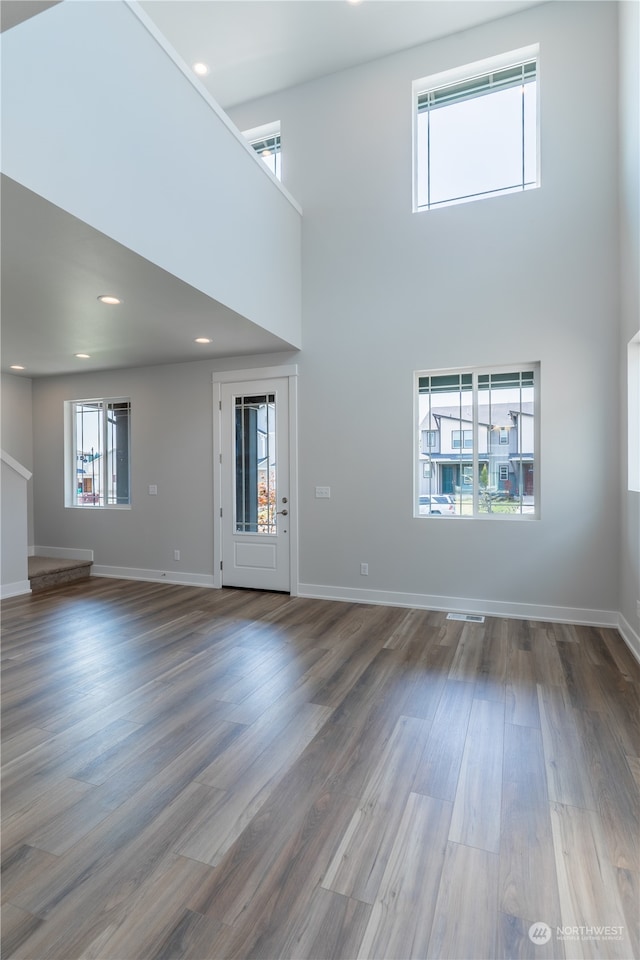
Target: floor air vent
(469,617)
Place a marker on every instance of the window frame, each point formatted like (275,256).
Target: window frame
(263,135)
(477,456)
(458,75)
(462,439)
(71,453)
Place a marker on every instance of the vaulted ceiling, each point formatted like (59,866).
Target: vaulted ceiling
(54,266)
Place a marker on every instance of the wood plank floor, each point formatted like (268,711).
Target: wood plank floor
(204,774)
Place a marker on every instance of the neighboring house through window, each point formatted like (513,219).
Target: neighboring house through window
(485,456)
(98,453)
(476,131)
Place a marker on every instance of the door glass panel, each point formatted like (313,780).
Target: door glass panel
(255,479)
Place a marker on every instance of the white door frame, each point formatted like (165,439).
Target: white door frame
(290,371)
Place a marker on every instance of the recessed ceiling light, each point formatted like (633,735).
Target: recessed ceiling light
(201,69)
(83,356)
(202,340)
(108,298)
(16,366)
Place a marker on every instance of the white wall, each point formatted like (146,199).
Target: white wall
(629,28)
(16,436)
(172,447)
(518,278)
(13,555)
(98,119)
(385,292)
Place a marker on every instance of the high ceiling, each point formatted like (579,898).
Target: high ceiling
(53,265)
(256,47)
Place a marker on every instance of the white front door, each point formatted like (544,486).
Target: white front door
(255,496)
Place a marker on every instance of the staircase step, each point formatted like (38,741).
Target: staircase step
(46,572)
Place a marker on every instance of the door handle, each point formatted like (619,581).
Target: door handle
(284,513)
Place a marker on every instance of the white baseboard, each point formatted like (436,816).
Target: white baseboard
(490,608)
(629,635)
(16,589)
(154,576)
(62,553)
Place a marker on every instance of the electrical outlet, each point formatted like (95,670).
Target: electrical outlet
(364,569)
(153,489)
(176,554)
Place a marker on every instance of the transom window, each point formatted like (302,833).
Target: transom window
(98,448)
(485,458)
(476,131)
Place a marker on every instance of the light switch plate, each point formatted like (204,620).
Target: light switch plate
(323,493)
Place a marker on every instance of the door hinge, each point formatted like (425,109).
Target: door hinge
(221,564)
(220,511)
(220,458)
(219,404)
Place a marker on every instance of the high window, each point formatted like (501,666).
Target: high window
(471,412)
(98,449)
(265,140)
(476,131)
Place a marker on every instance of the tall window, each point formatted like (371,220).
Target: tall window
(476,131)
(98,453)
(256,479)
(487,460)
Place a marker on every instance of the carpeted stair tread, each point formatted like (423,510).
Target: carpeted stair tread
(50,571)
